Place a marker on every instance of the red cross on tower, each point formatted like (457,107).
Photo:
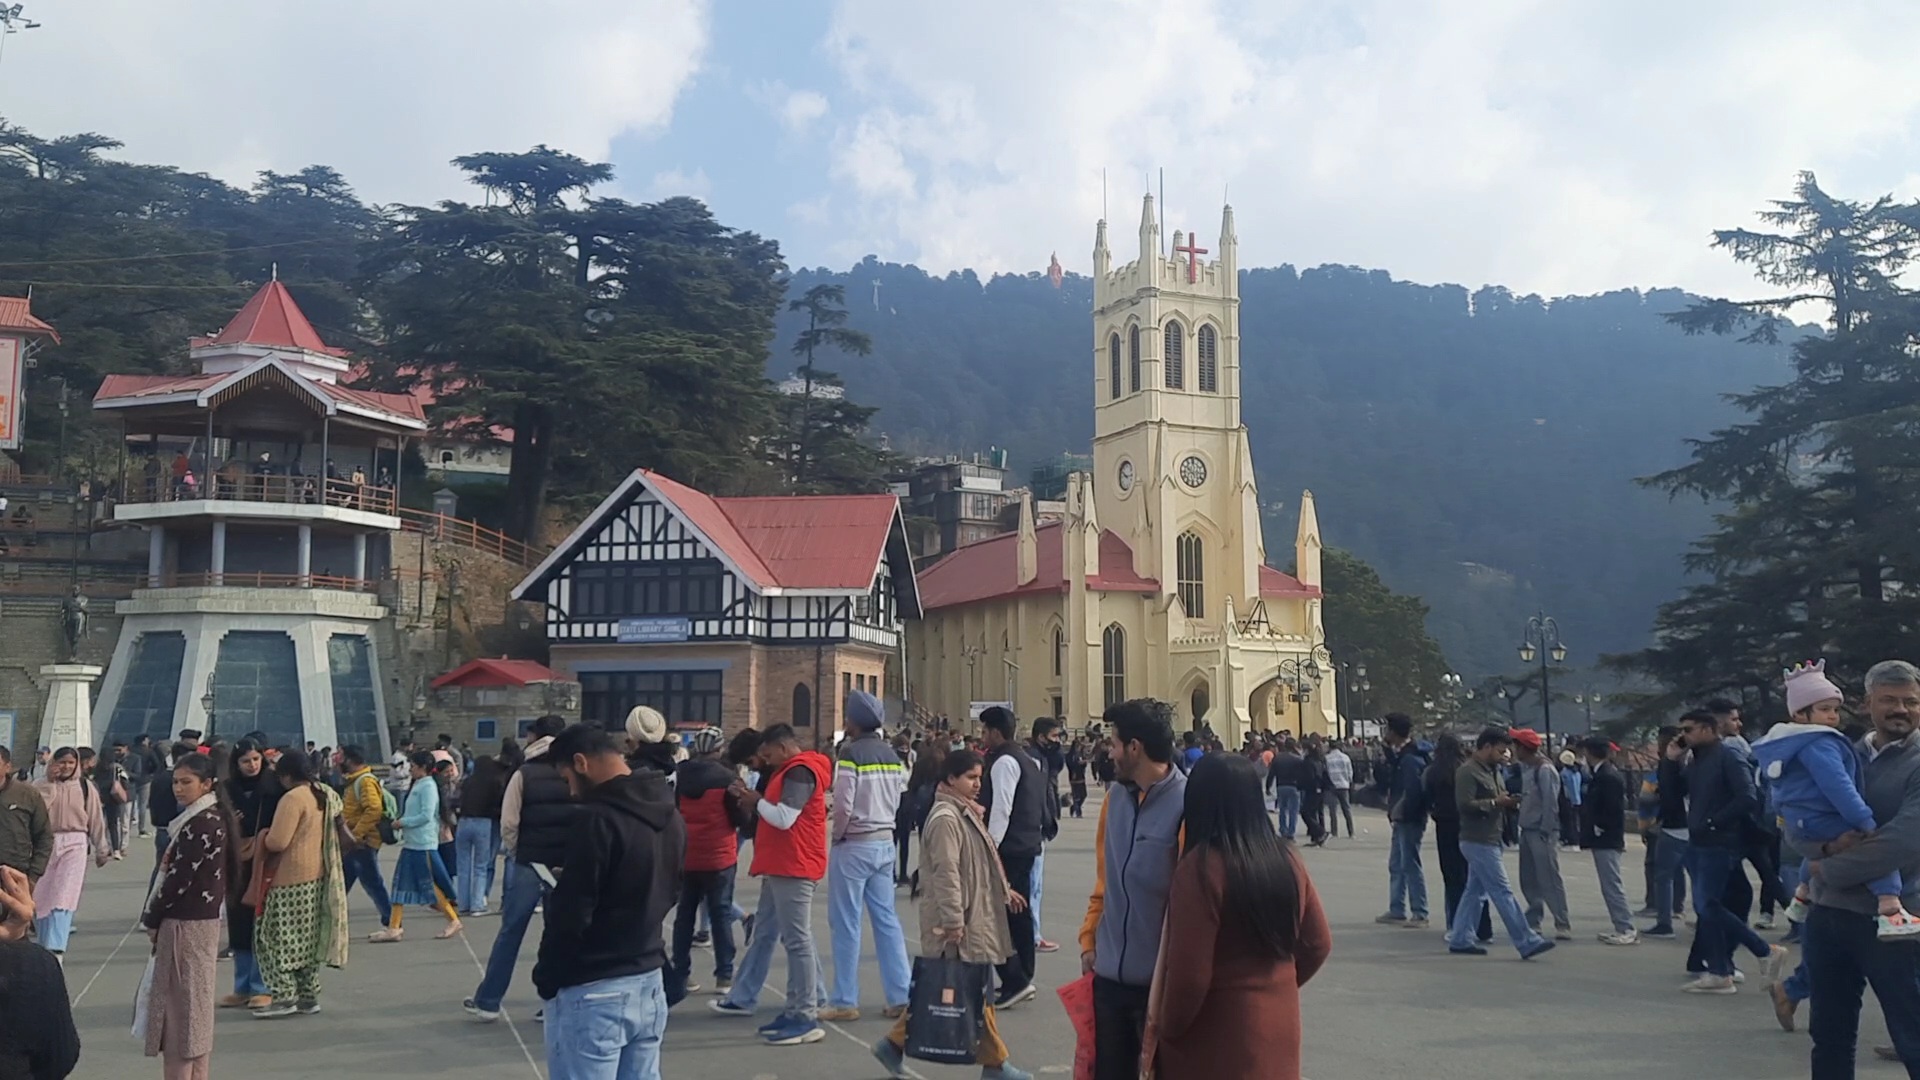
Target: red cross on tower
(1192,251)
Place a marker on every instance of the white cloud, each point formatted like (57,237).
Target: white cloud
(679,182)
(797,110)
(387,93)
(1555,148)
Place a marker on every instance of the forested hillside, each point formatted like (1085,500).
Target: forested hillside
(1478,447)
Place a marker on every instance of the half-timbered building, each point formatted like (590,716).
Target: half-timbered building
(740,612)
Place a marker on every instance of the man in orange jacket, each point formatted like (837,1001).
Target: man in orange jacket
(789,858)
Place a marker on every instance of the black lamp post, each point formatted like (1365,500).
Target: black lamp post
(1542,636)
(1355,674)
(209,701)
(1303,674)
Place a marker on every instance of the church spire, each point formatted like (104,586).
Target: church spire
(1149,232)
(1229,251)
(1306,545)
(1102,258)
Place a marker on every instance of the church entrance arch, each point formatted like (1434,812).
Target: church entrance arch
(1267,706)
(1198,701)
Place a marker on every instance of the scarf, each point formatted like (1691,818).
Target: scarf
(333,884)
(174,828)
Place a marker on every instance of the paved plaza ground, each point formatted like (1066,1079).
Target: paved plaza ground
(1390,1002)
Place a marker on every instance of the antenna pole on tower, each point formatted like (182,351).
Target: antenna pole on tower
(1103,194)
(1163,211)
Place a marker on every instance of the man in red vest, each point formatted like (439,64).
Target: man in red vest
(702,786)
(789,858)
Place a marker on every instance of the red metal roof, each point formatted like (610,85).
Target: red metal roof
(502,672)
(792,541)
(1279,583)
(119,388)
(271,318)
(987,569)
(16,313)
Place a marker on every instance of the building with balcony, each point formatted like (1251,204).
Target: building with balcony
(269,497)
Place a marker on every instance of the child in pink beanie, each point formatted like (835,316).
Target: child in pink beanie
(1816,786)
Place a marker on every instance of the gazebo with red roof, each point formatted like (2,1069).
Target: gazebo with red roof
(19,329)
(270,498)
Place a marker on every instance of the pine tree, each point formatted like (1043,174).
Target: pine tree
(823,444)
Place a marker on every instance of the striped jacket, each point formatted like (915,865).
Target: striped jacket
(867,782)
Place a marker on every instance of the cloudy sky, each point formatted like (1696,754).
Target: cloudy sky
(1547,146)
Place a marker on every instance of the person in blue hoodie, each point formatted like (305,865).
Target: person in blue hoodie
(1816,787)
(1406,765)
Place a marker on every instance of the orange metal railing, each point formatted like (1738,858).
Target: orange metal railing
(466,534)
(231,579)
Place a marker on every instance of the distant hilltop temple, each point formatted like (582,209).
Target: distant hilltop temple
(1156,584)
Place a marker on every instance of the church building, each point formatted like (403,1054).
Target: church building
(1156,584)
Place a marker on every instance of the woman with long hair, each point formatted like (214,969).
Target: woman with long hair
(964,909)
(915,803)
(1244,931)
(182,920)
(302,915)
(252,792)
(1313,795)
(420,878)
(1448,753)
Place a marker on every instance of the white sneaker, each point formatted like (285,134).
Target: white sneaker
(1774,967)
(1631,937)
(1899,926)
(1711,984)
(1798,910)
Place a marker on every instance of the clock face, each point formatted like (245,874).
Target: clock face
(1193,471)
(1126,476)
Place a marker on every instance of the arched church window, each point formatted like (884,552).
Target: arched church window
(802,706)
(1176,359)
(1113,364)
(1059,651)
(1133,360)
(1190,574)
(1209,350)
(1113,664)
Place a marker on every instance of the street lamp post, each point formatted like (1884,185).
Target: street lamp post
(1589,699)
(1356,675)
(1542,636)
(1450,686)
(209,701)
(1303,674)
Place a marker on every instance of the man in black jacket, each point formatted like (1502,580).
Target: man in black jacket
(602,954)
(1287,777)
(1013,792)
(1603,831)
(1721,799)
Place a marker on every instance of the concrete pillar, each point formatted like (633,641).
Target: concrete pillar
(305,565)
(217,564)
(360,556)
(68,719)
(156,555)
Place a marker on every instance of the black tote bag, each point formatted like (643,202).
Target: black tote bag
(945,1011)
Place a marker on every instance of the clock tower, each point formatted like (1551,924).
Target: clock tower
(1172,472)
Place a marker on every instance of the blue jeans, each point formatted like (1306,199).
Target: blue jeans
(519,895)
(1669,863)
(363,865)
(475,840)
(247,979)
(1406,878)
(1719,930)
(1845,955)
(860,873)
(1487,880)
(607,1030)
(1286,806)
(708,893)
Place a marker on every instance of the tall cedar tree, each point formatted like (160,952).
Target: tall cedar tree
(823,446)
(1814,552)
(605,335)
(1364,618)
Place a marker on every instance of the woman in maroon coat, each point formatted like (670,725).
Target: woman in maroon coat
(1244,932)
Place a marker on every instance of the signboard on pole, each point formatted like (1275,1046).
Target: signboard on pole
(975,708)
(12,376)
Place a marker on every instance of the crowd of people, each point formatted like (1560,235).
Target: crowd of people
(1711,803)
(1201,926)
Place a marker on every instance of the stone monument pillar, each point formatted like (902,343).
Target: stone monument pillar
(68,719)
